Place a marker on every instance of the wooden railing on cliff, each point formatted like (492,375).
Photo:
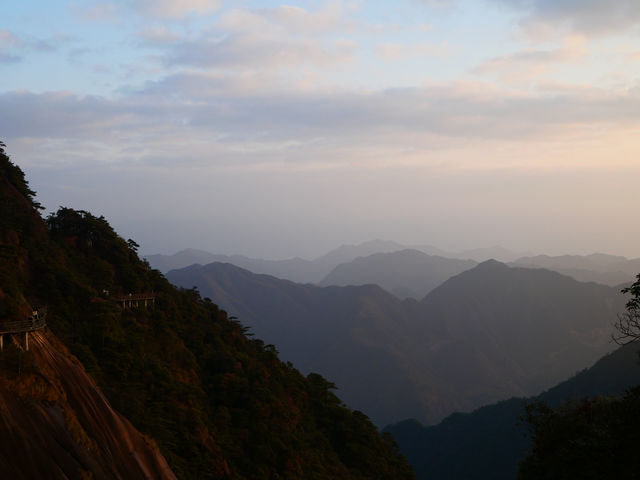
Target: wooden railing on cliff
(132,300)
(36,321)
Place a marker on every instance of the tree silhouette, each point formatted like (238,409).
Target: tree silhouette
(628,324)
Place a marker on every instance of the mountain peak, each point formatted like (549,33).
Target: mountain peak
(493,264)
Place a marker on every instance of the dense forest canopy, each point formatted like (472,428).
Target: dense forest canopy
(592,438)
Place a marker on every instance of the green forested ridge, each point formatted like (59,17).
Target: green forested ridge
(219,403)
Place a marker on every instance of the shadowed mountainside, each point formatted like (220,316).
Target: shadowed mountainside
(319,329)
(405,273)
(489,442)
(489,333)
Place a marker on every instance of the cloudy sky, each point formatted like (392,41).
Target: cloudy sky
(275,130)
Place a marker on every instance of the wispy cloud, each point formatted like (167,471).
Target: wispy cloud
(529,64)
(176,8)
(111,11)
(159,36)
(14,47)
(307,126)
(587,17)
(330,17)
(403,51)
(264,39)
(96,11)
(259,50)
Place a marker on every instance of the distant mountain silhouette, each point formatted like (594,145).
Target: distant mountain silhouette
(477,254)
(313,271)
(489,442)
(489,253)
(346,253)
(598,267)
(489,333)
(405,273)
(294,269)
(183,258)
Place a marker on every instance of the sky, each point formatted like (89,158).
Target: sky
(286,129)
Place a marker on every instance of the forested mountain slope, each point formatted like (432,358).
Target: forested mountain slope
(217,403)
(489,442)
(333,330)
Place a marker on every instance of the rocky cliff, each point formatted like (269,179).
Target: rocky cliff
(57,424)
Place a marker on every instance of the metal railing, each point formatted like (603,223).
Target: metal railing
(134,296)
(20,326)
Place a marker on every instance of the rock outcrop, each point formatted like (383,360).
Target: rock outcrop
(56,424)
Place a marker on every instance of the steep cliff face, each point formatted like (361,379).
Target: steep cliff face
(56,424)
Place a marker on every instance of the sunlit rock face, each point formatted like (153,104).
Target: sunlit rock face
(57,424)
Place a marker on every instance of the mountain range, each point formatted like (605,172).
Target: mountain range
(294,269)
(486,334)
(313,271)
(598,267)
(404,273)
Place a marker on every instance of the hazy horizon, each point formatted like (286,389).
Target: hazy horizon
(277,130)
(418,246)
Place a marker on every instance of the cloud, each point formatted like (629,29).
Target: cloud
(330,17)
(159,36)
(8,42)
(587,17)
(13,48)
(258,50)
(264,39)
(99,11)
(529,64)
(176,8)
(8,39)
(195,118)
(399,51)
(110,11)
(9,58)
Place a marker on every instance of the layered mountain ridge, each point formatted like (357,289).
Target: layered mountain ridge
(404,273)
(486,334)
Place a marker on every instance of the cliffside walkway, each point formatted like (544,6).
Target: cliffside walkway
(134,300)
(36,321)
